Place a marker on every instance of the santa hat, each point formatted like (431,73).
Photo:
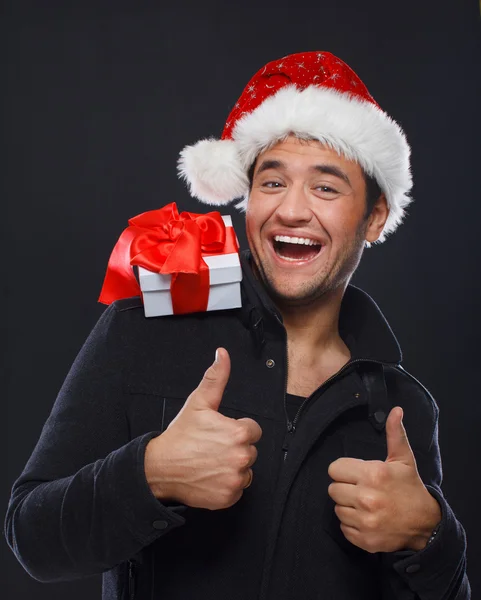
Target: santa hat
(311,95)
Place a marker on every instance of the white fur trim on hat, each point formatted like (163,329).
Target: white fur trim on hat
(213,171)
(217,169)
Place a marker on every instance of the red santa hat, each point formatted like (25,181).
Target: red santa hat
(311,95)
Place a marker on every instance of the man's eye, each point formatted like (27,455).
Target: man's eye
(326,189)
(272,184)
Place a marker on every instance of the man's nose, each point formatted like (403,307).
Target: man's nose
(294,206)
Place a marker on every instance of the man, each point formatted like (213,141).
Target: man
(283,470)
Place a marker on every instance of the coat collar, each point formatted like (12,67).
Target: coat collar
(362,325)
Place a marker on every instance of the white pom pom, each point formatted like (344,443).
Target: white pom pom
(213,171)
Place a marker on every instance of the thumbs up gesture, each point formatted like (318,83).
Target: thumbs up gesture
(384,506)
(203,458)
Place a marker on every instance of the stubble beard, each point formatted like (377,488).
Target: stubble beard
(318,287)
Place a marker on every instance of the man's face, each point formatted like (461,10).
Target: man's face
(305,220)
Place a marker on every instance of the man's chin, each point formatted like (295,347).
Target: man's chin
(296,296)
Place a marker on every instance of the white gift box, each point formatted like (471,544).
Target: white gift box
(225,275)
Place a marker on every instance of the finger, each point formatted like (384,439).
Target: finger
(254,431)
(344,494)
(398,447)
(348,516)
(350,533)
(254,453)
(210,390)
(347,470)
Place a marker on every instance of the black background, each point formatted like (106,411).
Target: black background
(102,96)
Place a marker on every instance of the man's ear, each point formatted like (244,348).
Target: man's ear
(377,219)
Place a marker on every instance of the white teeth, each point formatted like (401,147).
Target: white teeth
(295,240)
(290,259)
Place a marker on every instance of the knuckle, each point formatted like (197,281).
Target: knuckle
(253,429)
(235,483)
(258,431)
(241,433)
(243,459)
(335,469)
(252,456)
(371,522)
(368,501)
(210,377)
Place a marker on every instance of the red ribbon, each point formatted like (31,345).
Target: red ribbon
(164,241)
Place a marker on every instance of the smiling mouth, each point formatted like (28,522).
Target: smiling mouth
(296,249)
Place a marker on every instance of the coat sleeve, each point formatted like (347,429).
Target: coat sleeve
(439,570)
(82,504)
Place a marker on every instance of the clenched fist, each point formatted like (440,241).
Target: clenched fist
(384,506)
(203,458)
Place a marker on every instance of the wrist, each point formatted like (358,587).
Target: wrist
(428,527)
(156,472)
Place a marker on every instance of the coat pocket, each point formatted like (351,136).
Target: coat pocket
(151,412)
(365,448)
(170,410)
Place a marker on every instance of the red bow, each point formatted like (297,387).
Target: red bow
(165,242)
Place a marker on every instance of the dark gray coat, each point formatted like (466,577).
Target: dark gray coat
(83,506)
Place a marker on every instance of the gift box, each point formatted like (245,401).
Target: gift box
(185,262)
(225,275)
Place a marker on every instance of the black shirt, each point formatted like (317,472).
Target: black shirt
(292,404)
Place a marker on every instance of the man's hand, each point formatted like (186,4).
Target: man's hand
(203,458)
(384,506)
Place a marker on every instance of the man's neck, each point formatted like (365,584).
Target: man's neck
(314,327)
(315,348)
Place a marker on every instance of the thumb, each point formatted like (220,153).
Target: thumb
(398,447)
(210,390)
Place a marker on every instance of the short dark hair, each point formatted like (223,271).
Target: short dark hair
(373,191)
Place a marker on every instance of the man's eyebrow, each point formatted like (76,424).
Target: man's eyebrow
(331,170)
(324,169)
(270,164)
